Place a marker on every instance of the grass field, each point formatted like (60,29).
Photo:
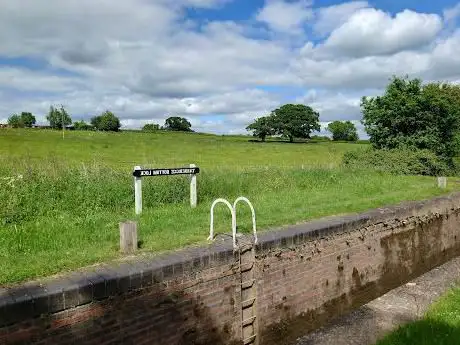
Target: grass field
(61,200)
(440,326)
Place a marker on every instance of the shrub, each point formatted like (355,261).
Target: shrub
(397,161)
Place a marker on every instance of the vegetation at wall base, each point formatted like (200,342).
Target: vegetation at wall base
(61,200)
(440,326)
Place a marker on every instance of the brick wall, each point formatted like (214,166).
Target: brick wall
(306,275)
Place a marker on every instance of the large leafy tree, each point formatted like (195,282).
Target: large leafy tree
(412,115)
(151,127)
(27,119)
(82,126)
(15,121)
(343,130)
(262,127)
(295,121)
(107,121)
(58,117)
(176,123)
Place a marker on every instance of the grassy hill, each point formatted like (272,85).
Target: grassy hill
(127,149)
(61,199)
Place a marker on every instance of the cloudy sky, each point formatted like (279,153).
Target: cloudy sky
(219,63)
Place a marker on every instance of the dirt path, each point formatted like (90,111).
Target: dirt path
(367,324)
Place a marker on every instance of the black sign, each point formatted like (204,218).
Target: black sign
(163,172)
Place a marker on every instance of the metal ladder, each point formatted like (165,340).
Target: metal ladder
(246,254)
(249,326)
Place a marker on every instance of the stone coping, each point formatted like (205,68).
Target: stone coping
(54,294)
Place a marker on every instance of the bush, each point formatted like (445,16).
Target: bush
(319,138)
(107,121)
(397,161)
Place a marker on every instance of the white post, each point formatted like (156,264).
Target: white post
(442,182)
(193,195)
(138,192)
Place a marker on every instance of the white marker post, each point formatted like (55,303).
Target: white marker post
(193,195)
(442,182)
(138,192)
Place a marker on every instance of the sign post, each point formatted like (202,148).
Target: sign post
(138,173)
(137,191)
(193,196)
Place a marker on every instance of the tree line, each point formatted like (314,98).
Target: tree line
(59,117)
(299,121)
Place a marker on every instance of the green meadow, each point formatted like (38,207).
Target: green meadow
(61,199)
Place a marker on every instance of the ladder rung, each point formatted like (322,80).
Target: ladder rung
(247,267)
(248,303)
(245,247)
(249,321)
(249,340)
(247,284)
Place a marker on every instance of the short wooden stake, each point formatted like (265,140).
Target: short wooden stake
(138,192)
(193,194)
(128,237)
(442,182)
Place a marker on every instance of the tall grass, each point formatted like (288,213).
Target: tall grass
(60,212)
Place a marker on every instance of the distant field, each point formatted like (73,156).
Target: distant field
(61,200)
(127,149)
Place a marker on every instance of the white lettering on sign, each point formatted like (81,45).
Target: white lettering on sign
(182,171)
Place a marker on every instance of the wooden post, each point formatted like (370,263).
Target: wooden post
(138,192)
(442,182)
(193,194)
(128,237)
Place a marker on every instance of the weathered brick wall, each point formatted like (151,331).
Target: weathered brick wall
(306,275)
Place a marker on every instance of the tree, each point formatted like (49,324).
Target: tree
(58,118)
(15,121)
(20,121)
(295,121)
(107,121)
(416,116)
(345,130)
(82,126)
(27,119)
(151,127)
(177,123)
(262,127)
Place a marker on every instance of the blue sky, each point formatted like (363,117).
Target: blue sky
(220,63)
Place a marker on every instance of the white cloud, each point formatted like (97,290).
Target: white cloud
(333,106)
(331,17)
(452,13)
(212,72)
(374,32)
(284,16)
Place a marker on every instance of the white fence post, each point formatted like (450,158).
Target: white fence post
(193,194)
(138,192)
(442,182)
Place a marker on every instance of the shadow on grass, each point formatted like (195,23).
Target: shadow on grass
(283,142)
(423,332)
